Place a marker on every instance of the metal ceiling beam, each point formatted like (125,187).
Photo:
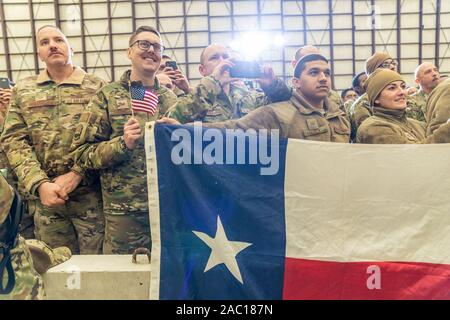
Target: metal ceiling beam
(5,39)
(33,35)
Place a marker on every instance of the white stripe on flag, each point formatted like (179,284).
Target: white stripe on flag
(349,203)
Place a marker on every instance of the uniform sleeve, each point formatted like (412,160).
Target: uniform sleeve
(441,112)
(440,135)
(166,100)
(6,198)
(15,140)
(96,150)
(196,104)
(380,134)
(278,91)
(261,118)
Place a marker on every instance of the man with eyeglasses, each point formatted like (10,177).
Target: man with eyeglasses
(113,142)
(219,97)
(37,138)
(360,110)
(427,76)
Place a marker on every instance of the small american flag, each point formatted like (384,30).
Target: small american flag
(143,100)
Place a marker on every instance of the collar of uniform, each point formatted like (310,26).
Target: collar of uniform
(395,113)
(422,93)
(125,79)
(76,77)
(305,108)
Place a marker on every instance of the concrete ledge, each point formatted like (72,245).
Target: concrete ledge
(102,277)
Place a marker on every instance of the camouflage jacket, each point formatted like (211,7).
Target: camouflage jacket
(417,106)
(297,119)
(39,127)
(3,160)
(209,103)
(29,284)
(389,126)
(438,107)
(123,172)
(5,170)
(6,198)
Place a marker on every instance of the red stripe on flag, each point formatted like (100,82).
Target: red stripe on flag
(139,103)
(325,280)
(145,109)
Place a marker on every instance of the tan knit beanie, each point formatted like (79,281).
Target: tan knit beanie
(377,81)
(375,61)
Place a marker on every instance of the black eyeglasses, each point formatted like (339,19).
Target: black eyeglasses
(388,63)
(146,45)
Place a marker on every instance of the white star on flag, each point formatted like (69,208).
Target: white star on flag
(223,250)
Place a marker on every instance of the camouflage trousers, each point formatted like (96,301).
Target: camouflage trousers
(78,224)
(29,284)
(126,231)
(26,228)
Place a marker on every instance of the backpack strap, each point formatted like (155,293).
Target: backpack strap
(6,245)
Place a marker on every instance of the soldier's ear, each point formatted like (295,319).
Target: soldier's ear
(201,69)
(129,53)
(376,101)
(295,82)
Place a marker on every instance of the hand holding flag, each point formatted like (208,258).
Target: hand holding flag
(131,133)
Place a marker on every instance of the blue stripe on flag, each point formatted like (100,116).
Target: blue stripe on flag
(251,210)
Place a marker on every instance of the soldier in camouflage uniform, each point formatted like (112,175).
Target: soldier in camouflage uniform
(37,139)
(27,224)
(334,96)
(217,98)
(427,77)
(114,144)
(308,115)
(178,81)
(28,283)
(5,98)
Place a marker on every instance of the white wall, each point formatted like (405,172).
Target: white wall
(194,24)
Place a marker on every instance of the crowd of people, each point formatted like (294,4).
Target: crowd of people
(72,144)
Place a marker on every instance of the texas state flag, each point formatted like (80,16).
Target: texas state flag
(333,221)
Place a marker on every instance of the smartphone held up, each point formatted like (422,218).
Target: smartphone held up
(245,69)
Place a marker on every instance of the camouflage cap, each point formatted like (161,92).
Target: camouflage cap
(6,198)
(45,257)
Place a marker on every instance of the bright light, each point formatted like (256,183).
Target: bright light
(252,44)
(236,45)
(279,40)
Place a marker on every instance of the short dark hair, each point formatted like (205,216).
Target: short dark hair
(143,29)
(355,81)
(344,92)
(300,66)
